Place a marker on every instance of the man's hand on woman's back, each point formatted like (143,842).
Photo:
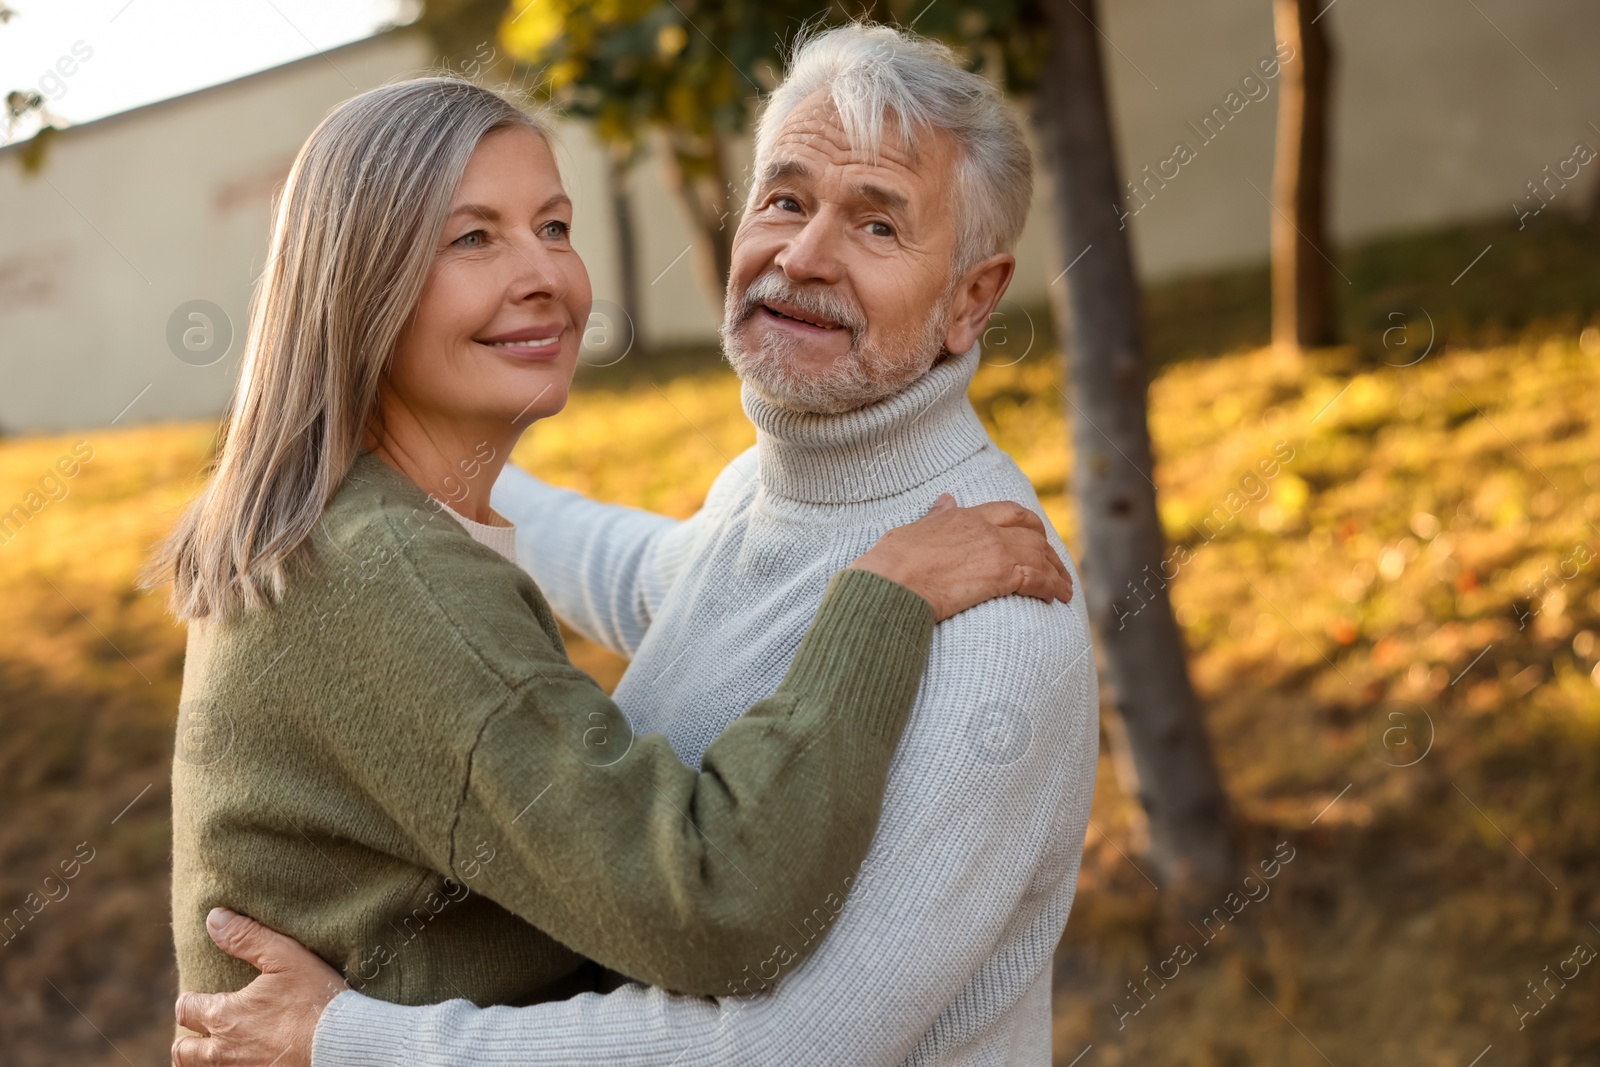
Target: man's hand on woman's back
(271,1021)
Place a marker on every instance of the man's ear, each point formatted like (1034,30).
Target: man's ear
(977,293)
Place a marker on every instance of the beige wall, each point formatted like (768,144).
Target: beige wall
(137,214)
(1437,117)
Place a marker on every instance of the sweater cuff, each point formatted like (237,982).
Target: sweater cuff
(358,1031)
(865,651)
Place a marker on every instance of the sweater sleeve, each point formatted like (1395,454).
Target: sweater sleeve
(978,829)
(605,567)
(607,842)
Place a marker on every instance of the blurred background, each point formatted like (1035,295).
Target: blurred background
(1355,247)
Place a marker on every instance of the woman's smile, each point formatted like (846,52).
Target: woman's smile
(541,343)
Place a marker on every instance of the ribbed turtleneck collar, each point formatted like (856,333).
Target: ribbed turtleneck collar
(873,452)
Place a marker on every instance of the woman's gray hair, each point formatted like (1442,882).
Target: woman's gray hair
(873,72)
(354,232)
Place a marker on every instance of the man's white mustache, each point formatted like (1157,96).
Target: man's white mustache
(821,303)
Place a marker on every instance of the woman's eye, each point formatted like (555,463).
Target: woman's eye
(786,203)
(880,229)
(556,229)
(474,239)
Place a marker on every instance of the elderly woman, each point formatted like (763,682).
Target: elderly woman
(383,749)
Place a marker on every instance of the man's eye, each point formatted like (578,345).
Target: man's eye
(786,203)
(880,229)
(474,239)
(555,229)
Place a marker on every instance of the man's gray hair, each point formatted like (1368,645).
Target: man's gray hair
(872,72)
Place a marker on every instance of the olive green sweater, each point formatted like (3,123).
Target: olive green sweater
(398,766)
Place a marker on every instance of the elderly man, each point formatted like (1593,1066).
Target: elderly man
(891,186)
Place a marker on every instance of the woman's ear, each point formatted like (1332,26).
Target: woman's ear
(979,290)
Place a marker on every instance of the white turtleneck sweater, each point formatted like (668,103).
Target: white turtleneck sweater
(500,538)
(941,954)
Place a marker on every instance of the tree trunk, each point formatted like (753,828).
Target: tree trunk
(720,217)
(1302,284)
(618,181)
(697,169)
(1124,544)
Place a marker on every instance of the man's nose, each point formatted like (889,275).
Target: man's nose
(812,254)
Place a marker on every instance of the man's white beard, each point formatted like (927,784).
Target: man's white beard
(864,375)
